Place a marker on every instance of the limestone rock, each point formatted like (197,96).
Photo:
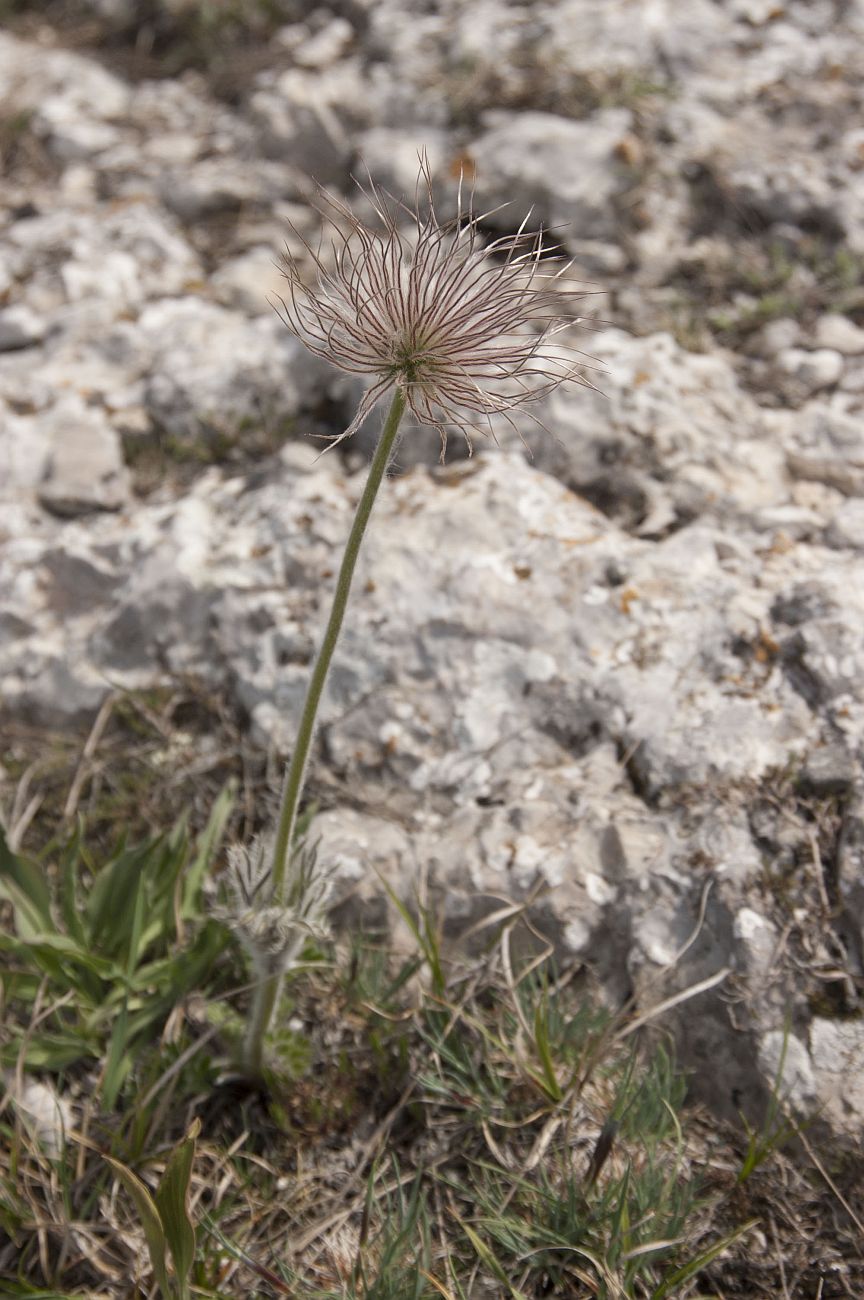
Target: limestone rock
(20,328)
(84,469)
(214,373)
(566,171)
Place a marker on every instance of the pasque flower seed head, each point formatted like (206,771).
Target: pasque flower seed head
(462,327)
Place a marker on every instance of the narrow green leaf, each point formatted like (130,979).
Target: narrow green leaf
(112,899)
(137,927)
(487,1258)
(619,1234)
(154,1232)
(541,1042)
(47,1051)
(23,883)
(208,842)
(118,1061)
(68,949)
(424,938)
(172,1203)
(42,957)
(68,891)
(681,1275)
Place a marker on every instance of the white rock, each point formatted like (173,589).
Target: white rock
(778,336)
(840,334)
(299,117)
(248,281)
(565,171)
(796,1083)
(73,99)
(391,155)
(756,12)
(819,369)
(24,450)
(84,469)
(327,45)
(20,328)
(213,371)
(837,1051)
(846,528)
(47,1115)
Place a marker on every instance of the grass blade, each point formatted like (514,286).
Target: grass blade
(172,1204)
(151,1223)
(684,1274)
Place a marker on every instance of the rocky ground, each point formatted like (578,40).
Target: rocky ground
(623,675)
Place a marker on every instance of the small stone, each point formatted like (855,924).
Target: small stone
(828,771)
(853,378)
(837,1051)
(43,1110)
(85,469)
(246,281)
(20,328)
(778,336)
(821,368)
(840,334)
(852,148)
(781,1051)
(568,170)
(846,529)
(326,46)
(597,257)
(300,126)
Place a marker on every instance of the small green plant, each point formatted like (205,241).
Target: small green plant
(107,949)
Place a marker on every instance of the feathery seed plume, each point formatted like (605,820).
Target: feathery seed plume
(436,312)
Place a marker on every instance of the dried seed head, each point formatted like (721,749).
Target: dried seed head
(450,320)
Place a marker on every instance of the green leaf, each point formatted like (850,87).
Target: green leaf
(681,1275)
(48,1051)
(172,1203)
(619,1233)
(113,896)
(541,1042)
(137,927)
(68,891)
(23,883)
(424,937)
(488,1258)
(61,943)
(154,1232)
(208,842)
(118,1061)
(61,957)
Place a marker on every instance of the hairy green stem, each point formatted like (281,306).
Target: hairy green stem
(267,991)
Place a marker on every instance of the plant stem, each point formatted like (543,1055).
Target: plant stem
(267,991)
(293,787)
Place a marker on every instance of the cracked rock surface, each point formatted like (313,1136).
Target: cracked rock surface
(613,667)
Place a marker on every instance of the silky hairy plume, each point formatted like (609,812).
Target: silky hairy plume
(462,327)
